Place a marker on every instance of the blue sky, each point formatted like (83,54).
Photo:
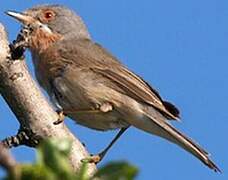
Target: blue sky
(180,48)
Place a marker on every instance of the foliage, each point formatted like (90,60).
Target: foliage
(52,163)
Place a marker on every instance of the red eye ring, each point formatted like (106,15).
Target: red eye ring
(49,15)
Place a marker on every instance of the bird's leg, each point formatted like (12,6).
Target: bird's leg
(106,107)
(97,158)
(54,99)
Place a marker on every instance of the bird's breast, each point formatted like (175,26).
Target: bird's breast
(47,65)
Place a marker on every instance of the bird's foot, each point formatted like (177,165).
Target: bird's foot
(60,118)
(94,158)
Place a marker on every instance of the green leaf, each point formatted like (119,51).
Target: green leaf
(117,171)
(53,164)
(54,155)
(36,172)
(82,174)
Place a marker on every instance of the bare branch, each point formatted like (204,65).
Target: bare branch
(30,106)
(6,160)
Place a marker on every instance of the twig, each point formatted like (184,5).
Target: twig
(6,160)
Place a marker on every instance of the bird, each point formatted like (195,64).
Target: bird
(90,85)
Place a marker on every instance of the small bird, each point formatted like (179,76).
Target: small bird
(90,85)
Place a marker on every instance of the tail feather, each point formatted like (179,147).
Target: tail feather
(193,148)
(159,126)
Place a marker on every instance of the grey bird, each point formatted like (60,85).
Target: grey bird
(90,85)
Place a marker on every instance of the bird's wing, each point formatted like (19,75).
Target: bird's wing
(102,62)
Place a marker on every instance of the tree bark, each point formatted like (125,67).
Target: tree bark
(6,160)
(30,106)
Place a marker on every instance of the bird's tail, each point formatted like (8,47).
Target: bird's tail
(156,124)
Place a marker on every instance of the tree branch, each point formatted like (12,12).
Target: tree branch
(6,160)
(30,106)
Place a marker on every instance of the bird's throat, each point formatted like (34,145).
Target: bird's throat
(41,40)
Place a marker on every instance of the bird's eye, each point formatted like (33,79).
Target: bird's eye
(48,15)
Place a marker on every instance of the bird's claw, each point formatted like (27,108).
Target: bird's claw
(61,117)
(92,159)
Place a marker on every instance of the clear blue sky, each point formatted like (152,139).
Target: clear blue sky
(181,49)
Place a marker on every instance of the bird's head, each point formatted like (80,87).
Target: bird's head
(51,22)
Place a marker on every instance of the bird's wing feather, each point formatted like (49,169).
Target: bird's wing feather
(135,88)
(102,62)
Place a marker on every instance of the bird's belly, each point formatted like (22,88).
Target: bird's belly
(99,121)
(76,100)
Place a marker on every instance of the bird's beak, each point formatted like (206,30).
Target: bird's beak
(24,19)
